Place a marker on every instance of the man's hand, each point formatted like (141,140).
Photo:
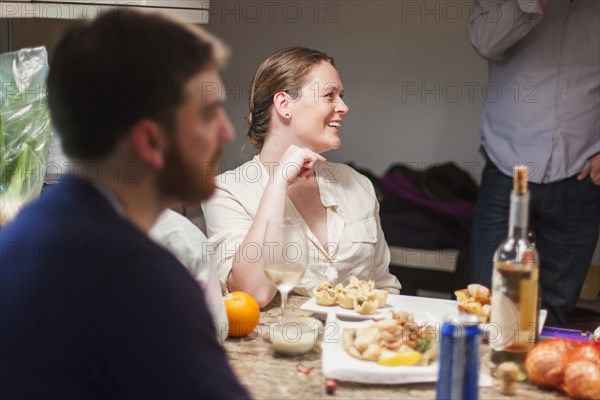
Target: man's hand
(543,3)
(593,170)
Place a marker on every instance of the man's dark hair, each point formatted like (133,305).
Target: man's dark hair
(123,67)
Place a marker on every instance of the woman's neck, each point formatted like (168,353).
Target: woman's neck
(273,148)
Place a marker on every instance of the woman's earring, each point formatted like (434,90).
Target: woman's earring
(287,115)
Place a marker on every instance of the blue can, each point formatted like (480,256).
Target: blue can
(459,358)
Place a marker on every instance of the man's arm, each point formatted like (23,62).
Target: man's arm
(496,25)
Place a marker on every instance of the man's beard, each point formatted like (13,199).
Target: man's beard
(185,182)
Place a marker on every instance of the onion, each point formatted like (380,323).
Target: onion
(582,379)
(586,351)
(546,362)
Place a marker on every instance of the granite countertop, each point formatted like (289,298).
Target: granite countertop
(268,375)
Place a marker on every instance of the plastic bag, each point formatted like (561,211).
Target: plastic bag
(25,128)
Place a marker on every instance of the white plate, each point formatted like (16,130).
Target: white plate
(340,365)
(417,305)
(438,308)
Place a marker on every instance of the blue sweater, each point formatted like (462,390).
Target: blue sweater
(91,308)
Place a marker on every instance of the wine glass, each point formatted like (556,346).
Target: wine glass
(285,254)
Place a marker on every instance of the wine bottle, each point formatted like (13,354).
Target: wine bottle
(515,284)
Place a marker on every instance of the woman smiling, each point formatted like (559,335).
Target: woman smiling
(296,113)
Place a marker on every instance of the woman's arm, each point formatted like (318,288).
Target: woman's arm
(246,272)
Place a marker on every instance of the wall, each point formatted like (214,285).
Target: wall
(406,66)
(36,32)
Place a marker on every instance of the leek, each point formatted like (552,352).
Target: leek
(25,128)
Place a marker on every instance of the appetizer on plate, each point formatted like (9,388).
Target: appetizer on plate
(325,295)
(393,342)
(475,299)
(359,295)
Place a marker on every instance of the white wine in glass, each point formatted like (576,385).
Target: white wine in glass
(285,254)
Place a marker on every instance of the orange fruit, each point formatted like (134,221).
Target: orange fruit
(243,313)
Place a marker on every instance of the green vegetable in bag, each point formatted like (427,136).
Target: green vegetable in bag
(25,128)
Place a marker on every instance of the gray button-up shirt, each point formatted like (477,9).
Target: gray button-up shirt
(542,105)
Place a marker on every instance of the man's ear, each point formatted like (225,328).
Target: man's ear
(282,104)
(148,142)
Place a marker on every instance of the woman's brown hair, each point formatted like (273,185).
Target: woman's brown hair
(283,71)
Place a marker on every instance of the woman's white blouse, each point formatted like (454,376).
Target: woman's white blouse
(356,244)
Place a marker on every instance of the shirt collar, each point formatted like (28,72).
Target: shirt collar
(326,179)
(264,173)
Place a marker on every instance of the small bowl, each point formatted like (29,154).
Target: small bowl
(294,335)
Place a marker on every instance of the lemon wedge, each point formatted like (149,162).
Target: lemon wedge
(406,358)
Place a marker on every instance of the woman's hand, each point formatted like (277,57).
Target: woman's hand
(296,163)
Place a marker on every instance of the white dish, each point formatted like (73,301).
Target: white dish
(294,335)
(438,308)
(417,305)
(340,365)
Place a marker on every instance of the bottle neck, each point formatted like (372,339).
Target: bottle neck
(519,215)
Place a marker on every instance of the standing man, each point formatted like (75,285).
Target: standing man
(90,306)
(544,66)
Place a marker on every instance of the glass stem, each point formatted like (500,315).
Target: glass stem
(284,296)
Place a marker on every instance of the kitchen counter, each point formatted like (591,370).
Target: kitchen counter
(267,375)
